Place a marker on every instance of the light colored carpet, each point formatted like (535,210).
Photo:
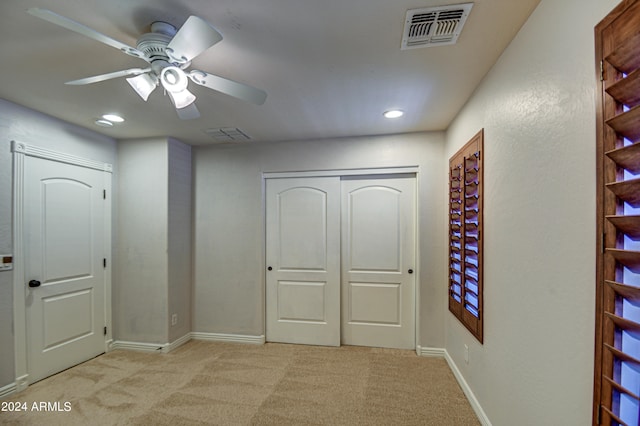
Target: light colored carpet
(205,383)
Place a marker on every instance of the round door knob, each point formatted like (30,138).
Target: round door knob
(410,271)
(34,283)
(269,268)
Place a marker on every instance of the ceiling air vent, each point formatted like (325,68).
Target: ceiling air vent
(434,26)
(227,134)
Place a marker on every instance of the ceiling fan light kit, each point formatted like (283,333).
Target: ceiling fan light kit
(169,52)
(143,84)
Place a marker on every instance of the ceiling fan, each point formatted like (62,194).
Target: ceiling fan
(169,53)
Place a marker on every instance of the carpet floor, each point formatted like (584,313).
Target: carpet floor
(207,383)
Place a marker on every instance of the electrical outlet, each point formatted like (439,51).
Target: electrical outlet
(466,354)
(174,319)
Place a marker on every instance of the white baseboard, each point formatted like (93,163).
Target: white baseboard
(19,385)
(7,390)
(231,338)
(168,347)
(477,408)
(177,343)
(139,346)
(473,401)
(430,352)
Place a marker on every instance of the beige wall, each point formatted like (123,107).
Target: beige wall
(229,230)
(140,291)
(153,269)
(537,108)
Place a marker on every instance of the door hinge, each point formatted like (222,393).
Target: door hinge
(104,194)
(104,262)
(105,330)
(601,70)
(598,414)
(602,243)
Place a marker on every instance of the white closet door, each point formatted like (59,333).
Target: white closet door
(64,227)
(378,262)
(303,260)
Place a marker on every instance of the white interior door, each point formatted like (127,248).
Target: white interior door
(303,260)
(378,262)
(64,229)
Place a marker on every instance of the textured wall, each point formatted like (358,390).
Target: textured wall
(229,229)
(140,289)
(179,238)
(537,108)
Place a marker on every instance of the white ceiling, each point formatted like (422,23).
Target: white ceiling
(330,67)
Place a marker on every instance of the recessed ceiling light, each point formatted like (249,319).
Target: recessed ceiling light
(393,113)
(113,118)
(103,123)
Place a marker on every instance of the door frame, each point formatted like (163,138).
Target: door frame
(364,172)
(20,151)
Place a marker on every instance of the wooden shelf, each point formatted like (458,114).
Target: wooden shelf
(628,225)
(628,258)
(627,190)
(626,57)
(629,292)
(627,124)
(626,90)
(627,157)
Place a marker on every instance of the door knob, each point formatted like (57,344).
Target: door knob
(410,271)
(269,268)
(34,283)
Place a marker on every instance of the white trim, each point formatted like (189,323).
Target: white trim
(168,347)
(61,157)
(19,297)
(430,352)
(466,389)
(22,383)
(231,338)
(477,408)
(7,390)
(140,346)
(178,342)
(341,172)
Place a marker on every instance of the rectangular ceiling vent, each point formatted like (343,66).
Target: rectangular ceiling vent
(227,134)
(434,26)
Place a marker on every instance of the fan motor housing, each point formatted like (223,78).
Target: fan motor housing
(153,44)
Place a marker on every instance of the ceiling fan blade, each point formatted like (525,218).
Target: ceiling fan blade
(190,112)
(108,76)
(228,87)
(195,36)
(67,23)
